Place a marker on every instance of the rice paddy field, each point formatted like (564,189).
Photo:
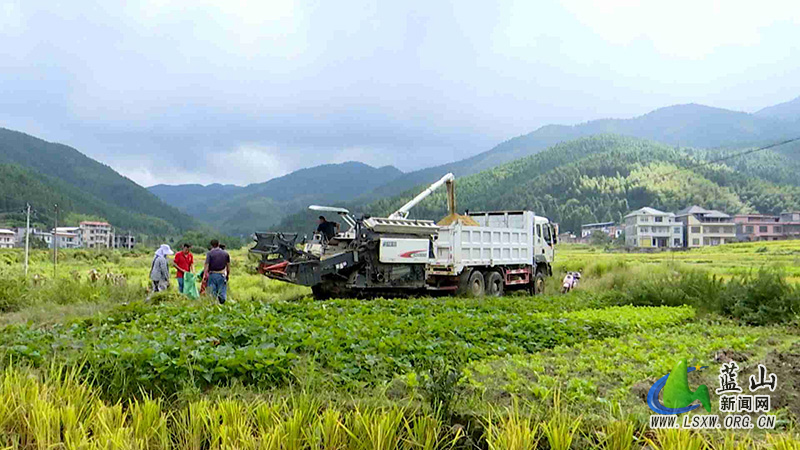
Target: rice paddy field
(91,364)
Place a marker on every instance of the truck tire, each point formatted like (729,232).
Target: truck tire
(472,284)
(537,284)
(494,284)
(477,284)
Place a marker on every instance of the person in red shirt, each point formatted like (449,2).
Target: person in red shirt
(183,262)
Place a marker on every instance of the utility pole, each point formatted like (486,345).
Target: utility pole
(27,237)
(55,246)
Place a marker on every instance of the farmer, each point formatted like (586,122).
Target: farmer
(328,229)
(217,271)
(159,269)
(183,262)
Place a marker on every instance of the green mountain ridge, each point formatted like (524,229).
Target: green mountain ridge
(242,210)
(80,185)
(689,125)
(601,178)
(789,111)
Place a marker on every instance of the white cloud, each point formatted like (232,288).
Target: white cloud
(241,91)
(249,163)
(690,29)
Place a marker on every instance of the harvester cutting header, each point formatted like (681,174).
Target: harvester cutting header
(476,254)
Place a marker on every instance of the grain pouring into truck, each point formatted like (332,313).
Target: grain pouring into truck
(475,254)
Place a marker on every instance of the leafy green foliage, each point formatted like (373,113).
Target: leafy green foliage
(163,346)
(608,368)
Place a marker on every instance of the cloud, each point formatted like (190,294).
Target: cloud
(684,29)
(159,89)
(249,163)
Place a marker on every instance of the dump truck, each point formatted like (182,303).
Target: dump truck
(474,254)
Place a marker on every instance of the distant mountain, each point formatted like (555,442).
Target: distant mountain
(45,172)
(243,210)
(789,111)
(183,194)
(601,178)
(689,125)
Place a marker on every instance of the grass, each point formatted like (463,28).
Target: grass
(725,261)
(93,366)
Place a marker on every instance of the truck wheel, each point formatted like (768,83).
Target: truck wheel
(537,284)
(476,285)
(494,284)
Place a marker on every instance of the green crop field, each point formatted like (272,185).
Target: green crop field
(91,364)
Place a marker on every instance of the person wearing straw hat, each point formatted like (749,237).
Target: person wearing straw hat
(159,269)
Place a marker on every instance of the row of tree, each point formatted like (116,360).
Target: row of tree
(602,178)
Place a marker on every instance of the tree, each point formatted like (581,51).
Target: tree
(599,238)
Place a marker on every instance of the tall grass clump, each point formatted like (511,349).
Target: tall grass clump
(756,298)
(760,299)
(18,292)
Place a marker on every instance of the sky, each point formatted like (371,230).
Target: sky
(202,91)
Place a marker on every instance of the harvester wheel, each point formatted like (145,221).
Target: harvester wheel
(494,284)
(320,293)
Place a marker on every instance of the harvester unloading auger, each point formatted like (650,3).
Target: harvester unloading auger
(396,255)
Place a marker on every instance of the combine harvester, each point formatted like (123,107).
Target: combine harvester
(481,253)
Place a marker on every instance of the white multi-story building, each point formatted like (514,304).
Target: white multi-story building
(97,234)
(7,238)
(650,228)
(706,227)
(68,237)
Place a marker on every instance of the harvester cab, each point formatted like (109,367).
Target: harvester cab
(319,245)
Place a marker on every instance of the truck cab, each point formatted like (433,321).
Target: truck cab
(544,241)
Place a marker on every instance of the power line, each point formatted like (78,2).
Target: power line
(662,177)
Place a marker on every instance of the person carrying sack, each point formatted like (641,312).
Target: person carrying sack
(184,263)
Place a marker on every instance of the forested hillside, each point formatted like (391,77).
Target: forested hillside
(601,178)
(90,186)
(184,196)
(243,210)
(689,125)
(20,186)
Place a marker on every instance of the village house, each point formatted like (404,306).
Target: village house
(7,238)
(97,234)
(650,228)
(762,227)
(124,241)
(68,237)
(703,227)
(607,228)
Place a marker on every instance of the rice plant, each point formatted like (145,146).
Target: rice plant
(510,430)
(560,428)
